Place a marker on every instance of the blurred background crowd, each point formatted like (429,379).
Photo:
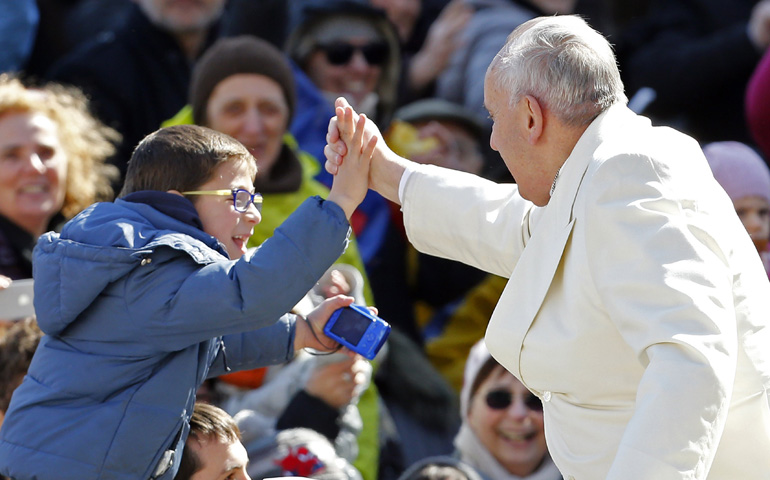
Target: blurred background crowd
(83,81)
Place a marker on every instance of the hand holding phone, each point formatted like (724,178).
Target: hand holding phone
(358,329)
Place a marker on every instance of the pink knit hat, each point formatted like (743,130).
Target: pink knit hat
(739,169)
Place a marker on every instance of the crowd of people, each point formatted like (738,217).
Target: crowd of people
(194,187)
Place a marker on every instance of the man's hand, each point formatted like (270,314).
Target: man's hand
(385,167)
(443,39)
(336,384)
(334,283)
(351,181)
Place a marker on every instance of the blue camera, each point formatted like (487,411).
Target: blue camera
(358,329)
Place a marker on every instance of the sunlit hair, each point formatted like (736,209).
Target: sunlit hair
(564,63)
(210,421)
(85,141)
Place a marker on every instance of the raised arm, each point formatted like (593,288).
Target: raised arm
(350,182)
(386,167)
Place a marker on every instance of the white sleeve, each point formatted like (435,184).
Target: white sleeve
(464,217)
(402,184)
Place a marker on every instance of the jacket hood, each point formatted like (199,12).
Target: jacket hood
(103,243)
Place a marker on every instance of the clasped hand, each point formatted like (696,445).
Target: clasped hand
(351,181)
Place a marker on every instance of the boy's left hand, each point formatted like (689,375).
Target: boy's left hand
(309,333)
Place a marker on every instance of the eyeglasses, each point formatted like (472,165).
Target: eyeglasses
(340,53)
(241,198)
(502,399)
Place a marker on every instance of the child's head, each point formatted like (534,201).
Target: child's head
(182,158)
(746,179)
(214,448)
(205,166)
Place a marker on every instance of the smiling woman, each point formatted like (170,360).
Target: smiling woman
(52,154)
(502,436)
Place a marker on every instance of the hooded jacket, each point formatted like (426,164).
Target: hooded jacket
(138,308)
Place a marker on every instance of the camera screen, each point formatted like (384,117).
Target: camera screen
(351,326)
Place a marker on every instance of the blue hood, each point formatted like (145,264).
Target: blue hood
(103,243)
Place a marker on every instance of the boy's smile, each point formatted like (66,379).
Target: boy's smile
(218,214)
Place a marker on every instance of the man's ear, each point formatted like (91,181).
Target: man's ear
(535,120)
(175,192)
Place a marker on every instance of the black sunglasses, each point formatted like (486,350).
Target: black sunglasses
(340,53)
(502,399)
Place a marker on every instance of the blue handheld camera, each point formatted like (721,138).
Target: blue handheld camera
(358,329)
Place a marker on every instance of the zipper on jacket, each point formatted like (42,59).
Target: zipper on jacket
(224,353)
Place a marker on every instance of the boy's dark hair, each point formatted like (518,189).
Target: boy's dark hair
(17,346)
(207,422)
(182,158)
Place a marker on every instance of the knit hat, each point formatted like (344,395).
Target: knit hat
(439,109)
(739,169)
(231,56)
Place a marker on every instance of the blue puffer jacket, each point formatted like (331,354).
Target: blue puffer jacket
(138,309)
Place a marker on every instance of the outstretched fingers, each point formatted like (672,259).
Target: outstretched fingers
(346,125)
(358,134)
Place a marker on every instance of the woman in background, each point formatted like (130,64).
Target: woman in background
(52,153)
(502,436)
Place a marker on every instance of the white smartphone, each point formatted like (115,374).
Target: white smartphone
(16,300)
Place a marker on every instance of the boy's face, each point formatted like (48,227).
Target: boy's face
(218,214)
(221,461)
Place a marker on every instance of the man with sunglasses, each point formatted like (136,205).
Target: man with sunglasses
(637,306)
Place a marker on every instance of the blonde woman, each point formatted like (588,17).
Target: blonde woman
(52,165)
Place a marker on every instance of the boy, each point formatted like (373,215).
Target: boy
(142,299)
(213,449)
